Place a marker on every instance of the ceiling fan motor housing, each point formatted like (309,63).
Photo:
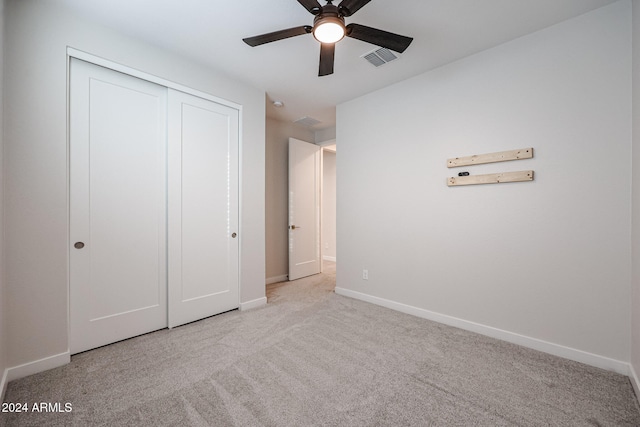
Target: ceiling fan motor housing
(327,11)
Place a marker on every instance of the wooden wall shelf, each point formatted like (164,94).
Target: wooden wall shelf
(502,156)
(491,178)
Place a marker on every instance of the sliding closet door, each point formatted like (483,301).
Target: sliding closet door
(118,286)
(203,208)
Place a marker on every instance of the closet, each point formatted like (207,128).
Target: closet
(153,204)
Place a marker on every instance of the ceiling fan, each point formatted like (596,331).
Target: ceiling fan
(329,28)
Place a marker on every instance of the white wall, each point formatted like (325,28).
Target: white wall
(329,205)
(324,135)
(635,323)
(37,35)
(544,263)
(3,309)
(277,173)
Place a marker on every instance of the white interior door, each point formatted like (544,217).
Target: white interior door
(117,206)
(203,208)
(304,209)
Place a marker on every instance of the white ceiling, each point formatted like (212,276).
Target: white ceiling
(211,32)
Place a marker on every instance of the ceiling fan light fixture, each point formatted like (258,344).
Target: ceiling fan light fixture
(329,29)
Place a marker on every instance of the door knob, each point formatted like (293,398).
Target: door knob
(78,245)
(293,227)
(233,235)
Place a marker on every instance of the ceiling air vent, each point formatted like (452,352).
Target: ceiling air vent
(380,56)
(307,121)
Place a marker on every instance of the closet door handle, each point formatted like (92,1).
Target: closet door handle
(234,235)
(78,245)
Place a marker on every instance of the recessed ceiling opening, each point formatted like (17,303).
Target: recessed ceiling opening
(307,121)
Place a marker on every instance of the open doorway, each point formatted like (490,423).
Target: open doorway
(311,207)
(277,222)
(279,209)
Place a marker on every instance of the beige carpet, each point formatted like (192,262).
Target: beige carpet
(311,357)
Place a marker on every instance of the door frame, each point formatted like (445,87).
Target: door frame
(330,146)
(87,57)
(96,60)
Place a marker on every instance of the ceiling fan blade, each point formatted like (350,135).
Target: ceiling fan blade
(277,35)
(327,53)
(379,37)
(311,5)
(349,7)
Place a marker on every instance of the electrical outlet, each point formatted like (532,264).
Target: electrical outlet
(365,274)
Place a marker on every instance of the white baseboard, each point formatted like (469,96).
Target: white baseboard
(253,304)
(633,376)
(277,279)
(329,258)
(36,366)
(3,384)
(525,341)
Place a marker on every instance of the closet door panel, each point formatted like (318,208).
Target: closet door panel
(203,208)
(117,206)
